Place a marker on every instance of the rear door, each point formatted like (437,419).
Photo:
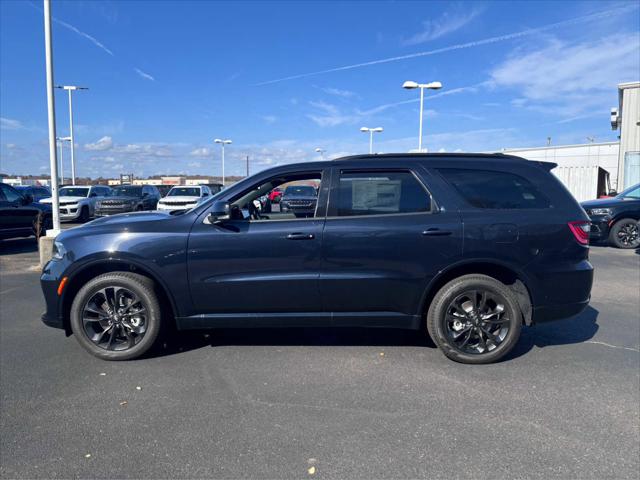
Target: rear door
(384,239)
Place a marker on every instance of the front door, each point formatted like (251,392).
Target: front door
(384,240)
(249,265)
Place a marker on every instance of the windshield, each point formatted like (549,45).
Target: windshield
(74,192)
(301,190)
(184,192)
(631,192)
(126,191)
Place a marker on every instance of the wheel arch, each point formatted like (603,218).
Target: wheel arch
(506,274)
(98,267)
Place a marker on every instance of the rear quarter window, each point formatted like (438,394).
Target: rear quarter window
(491,189)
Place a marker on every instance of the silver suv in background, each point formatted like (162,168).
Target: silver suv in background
(78,202)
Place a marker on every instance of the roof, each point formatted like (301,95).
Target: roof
(428,156)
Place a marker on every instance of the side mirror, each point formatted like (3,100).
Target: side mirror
(27,198)
(220,211)
(613,193)
(93,194)
(145,194)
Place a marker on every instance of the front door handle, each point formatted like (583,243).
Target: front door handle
(300,236)
(436,232)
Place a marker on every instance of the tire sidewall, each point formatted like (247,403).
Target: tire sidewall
(444,297)
(141,287)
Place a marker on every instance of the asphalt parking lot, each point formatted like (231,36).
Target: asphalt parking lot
(323,403)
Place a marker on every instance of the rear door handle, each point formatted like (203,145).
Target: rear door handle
(436,232)
(300,236)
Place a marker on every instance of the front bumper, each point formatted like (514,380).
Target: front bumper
(52,273)
(69,213)
(599,228)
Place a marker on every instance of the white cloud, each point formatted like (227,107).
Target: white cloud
(338,92)
(570,79)
(447,23)
(144,75)
(10,124)
(201,152)
(105,143)
(194,164)
(270,119)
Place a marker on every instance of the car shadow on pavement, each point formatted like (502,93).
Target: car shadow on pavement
(316,336)
(18,245)
(576,329)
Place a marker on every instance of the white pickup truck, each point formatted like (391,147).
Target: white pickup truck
(77,203)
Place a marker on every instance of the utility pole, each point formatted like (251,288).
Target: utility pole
(247,165)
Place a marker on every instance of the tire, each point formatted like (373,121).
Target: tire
(444,320)
(84,215)
(625,233)
(143,288)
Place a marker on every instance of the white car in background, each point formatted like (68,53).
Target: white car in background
(77,203)
(184,198)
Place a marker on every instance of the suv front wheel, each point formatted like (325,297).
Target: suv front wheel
(116,316)
(474,319)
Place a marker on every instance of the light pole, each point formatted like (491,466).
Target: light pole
(51,114)
(410,85)
(61,141)
(371,131)
(69,89)
(222,143)
(321,151)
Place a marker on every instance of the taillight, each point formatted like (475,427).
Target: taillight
(580,230)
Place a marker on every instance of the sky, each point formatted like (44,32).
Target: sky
(281,79)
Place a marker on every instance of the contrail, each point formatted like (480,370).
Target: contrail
(477,43)
(85,35)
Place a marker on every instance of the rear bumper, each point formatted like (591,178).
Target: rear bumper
(563,293)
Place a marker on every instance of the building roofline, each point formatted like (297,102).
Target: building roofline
(622,86)
(556,147)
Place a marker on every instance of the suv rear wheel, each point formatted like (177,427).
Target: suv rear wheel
(474,319)
(625,233)
(116,316)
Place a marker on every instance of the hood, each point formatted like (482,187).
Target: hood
(300,197)
(121,198)
(63,199)
(177,198)
(601,203)
(129,218)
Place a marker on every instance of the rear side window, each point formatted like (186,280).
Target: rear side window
(380,193)
(496,190)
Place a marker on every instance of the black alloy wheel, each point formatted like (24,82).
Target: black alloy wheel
(116,316)
(475,319)
(626,233)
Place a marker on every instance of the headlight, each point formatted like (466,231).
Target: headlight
(58,251)
(600,211)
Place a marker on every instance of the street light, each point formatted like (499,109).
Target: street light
(371,131)
(69,89)
(61,141)
(222,143)
(321,152)
(410,85)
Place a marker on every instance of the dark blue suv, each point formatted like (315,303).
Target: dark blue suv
(473,246)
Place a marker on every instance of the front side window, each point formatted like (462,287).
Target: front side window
(380,193)
(495,190)
(10,194)
(631,192)
(301,201)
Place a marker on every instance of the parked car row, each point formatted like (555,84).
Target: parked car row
(20,216)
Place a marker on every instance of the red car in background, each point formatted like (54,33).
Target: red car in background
(275,195)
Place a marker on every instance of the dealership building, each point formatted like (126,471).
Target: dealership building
(593,169)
